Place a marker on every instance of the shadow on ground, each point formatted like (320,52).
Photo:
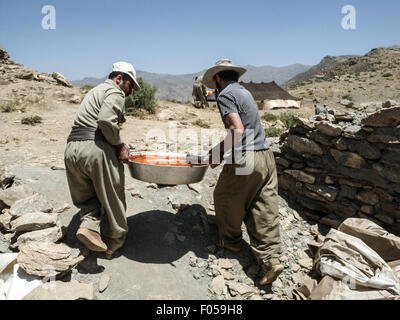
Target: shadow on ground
(162,237)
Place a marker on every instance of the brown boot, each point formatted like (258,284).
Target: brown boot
(91,240)
(270,274)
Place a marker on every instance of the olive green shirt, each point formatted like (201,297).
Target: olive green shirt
(103,107)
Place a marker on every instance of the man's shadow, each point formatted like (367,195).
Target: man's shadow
(162,237)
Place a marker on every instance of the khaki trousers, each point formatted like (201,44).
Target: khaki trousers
(97,185)
(200,97)
(252,199)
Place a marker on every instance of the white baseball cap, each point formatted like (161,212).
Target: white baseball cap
(127,68)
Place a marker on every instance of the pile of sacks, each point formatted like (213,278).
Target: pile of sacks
(30,234)
(358,261)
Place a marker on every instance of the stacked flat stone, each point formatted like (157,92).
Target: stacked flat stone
(342,166)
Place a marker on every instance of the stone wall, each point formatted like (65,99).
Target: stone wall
(335,166)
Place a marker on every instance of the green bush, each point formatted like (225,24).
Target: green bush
(288,119)
(273,132)
(201,123)
(32,120)
(269,117)
(387,75)
(87,87)
(9,107)
(142,100)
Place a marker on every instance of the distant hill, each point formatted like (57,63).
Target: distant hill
(179,87)
(326,64)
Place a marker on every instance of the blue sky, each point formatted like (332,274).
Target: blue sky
(186,36)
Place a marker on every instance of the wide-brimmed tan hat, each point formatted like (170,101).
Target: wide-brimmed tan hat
(221,65)
(127,68)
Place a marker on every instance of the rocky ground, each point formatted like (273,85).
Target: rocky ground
(168,253)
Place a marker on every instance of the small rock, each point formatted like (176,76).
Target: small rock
(268,296)
(227,275)
(59,168)
(193,261)
(62,208)
(75,99)
(284,259)
(295,267)
(196,275)
(197,187)
(242,289)
(225,264)
(61,79)
(212,248)
(152,186)
(104,281)
(180,238)
(314,230)
(218,286)
(296,215)
(306,263)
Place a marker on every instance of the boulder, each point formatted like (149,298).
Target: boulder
(52,234)
(306,124)
(383,118)
(33,221)
(329,129)
(46,259)
(15,193)
(34,203)
(61,79)
(303,145)
(301,176)
(75,99)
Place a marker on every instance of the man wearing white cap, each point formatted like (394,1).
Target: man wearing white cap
(239,196)
(94,159)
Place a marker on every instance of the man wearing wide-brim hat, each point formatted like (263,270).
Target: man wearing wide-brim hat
(247,188)
(94,159)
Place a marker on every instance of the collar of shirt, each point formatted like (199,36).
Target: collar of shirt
(227,85)
(112,82)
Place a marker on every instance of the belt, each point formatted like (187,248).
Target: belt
(79,133)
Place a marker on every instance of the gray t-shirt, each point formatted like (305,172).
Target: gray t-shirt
(234,98)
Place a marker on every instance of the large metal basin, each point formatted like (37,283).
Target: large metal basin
(167,175)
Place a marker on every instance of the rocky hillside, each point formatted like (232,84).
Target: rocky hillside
(327,63)
(22,88)
(180,87)
(357,83)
